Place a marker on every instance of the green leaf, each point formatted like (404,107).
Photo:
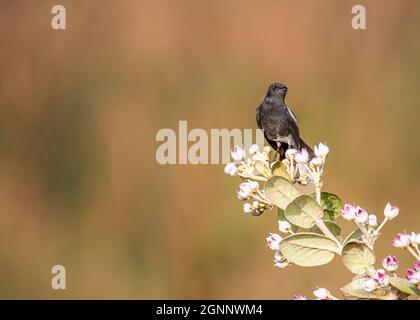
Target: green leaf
(357,257)
(303,211)
(262,169)
(355,236)
(331,204)
(334,228)
(282,217)
(354,290)
(308,249)
(280,191)
(278,169)
(404,285)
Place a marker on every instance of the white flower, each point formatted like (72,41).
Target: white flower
(302,156)
(231,169)
(299,297)
(322,294)
(390,263)
(243,195)
(402,240)
(316,162)
(373,221)
(290,153)
(281,265)
(279,260)
(284,226)
(381,278)
(248,207)
(415,238)
(253,185)
(273,241)
(348,212)
(237,153)
(391,212)
(246,189)
(370,285)
(254,149)
(266,149)
(321,150)
(361,216)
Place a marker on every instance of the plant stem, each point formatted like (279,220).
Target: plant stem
(413,253)
(252,177)
(319,222)
(376,232)
(318,193)
(321,225)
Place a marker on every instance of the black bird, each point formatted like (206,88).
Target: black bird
(279,123)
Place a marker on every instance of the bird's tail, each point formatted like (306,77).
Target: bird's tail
(308,148)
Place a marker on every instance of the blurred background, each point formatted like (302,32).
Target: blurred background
(80,109)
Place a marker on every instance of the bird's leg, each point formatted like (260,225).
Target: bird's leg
(277,152)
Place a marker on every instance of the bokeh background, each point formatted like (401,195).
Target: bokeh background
(79,112)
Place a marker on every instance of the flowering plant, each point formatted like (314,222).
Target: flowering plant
(310,235)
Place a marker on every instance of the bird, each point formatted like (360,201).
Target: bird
(279,123)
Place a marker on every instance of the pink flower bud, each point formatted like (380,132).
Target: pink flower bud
(417,265)
(254,149)
(246,189)
(248,207)
(267,149)
(390,263)
(401,240)
(361,216)
(302,156)
(273,241)
(321,150)
(280,261)
(370,285)
(231,169)
(391,212)
(237,153)
(413,276)
(316,162)
(322,294)
(415,238)
(348,212)
(381,278)
(299,297)
(243,195)
(290,154)
(373,221)
(284,226)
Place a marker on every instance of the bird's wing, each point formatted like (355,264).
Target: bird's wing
(293,128)
(292,115)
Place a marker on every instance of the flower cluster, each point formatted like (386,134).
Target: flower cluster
(368,223)
(380,279)
(302,169)
(306,225)
(411,243)
(249,190)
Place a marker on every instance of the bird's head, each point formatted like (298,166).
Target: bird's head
(277,89)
